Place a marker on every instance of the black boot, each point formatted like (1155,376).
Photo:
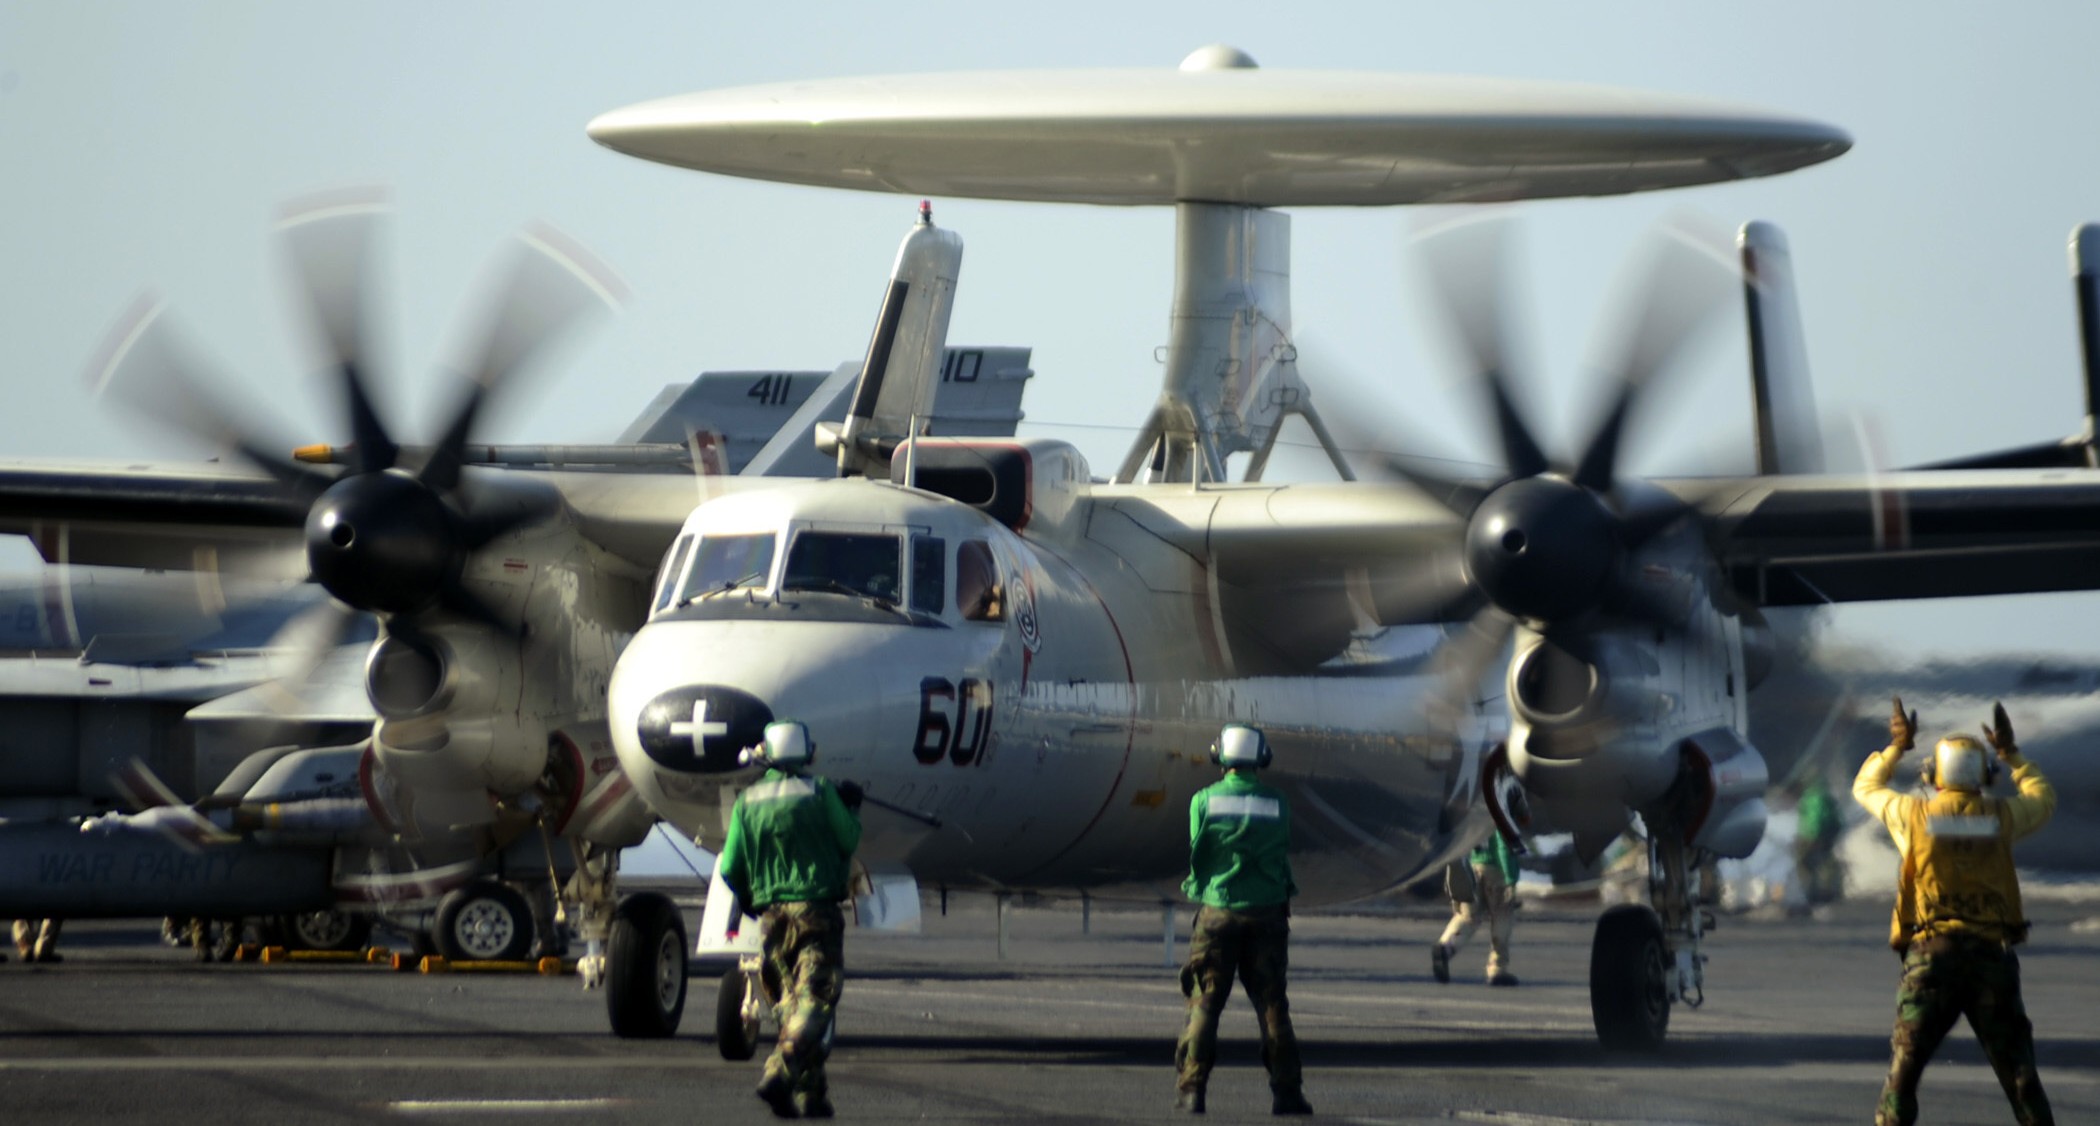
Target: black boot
(1289,1100)
(778,1092)
(1189,1100)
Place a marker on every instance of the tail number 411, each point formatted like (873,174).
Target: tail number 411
(954,721)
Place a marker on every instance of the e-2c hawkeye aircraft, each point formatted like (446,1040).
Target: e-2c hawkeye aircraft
(980,632)
(1033,660)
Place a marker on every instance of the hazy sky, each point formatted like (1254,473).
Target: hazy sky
(151,145)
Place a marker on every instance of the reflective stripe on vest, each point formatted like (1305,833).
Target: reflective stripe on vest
(1242,805)
(784,789)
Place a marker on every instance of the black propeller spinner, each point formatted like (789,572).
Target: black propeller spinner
(379,538)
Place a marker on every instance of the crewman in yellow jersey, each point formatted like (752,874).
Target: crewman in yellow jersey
(1958,913)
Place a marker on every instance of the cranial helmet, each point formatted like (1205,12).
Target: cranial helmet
(787,744)
(1960,762)
(1240,746)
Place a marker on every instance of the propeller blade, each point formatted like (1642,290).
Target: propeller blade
(1368,433)
(309,638)
(1430,590)
(140,787)
(145,366)
(1689,274)
(1463,660)
(1459,498)
(549,285)
(329,240)
(492,511)
(1645,511)
(1465,259)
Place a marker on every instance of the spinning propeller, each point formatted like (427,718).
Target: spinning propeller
(382,535)
(1548,543)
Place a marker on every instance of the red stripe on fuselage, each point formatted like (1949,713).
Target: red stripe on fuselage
(1129,721)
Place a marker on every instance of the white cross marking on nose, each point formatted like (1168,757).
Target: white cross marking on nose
(699,728)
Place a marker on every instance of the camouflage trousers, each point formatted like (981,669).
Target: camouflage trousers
(804,947)
(1945,978)
(1255,945)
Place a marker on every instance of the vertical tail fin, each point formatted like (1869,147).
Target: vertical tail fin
(1789,437)
(902,369)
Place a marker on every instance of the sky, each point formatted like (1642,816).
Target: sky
(150,146)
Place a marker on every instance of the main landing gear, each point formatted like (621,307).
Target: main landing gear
(1644,960)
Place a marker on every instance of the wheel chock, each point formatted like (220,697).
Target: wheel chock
(272,955)
(435,964)
(379,955)
(403,963)
(491,966)
(247,952)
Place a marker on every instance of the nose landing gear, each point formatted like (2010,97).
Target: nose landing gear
(1644,960)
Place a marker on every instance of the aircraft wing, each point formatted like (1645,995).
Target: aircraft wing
(213,517)
(155,516)
(1794,541)
(1782,540)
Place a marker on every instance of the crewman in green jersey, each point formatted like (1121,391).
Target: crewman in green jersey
(787,857)
(1240,872)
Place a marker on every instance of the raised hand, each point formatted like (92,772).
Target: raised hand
(1999,732)
(1903,727)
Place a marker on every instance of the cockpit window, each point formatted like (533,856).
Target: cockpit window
(977,591)
(929,573)
(729,563)
(845,563)
(668,584)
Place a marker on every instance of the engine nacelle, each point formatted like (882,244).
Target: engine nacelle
(447,698)
(1578,694)
(1726,780)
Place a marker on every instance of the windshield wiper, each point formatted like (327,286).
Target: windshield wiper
(727,586)
(822,583)
(829,585)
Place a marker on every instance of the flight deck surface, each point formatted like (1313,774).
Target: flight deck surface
(1069,1028)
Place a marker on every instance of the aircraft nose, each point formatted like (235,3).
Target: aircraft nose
(702,728)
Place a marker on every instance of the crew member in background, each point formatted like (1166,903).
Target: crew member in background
(787,856)
(1483,886)
(1240,872)
(36,940)
(1958,912)
(1818,827)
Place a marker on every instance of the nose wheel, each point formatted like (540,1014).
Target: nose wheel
(1629,990)
(740,1008)
(1646,960)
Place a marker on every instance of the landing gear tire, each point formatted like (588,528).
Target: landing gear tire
(645,968)
(1629,984)
(323,930)
(484,922)
(736,1035)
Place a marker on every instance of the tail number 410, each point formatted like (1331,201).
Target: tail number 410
(955,720)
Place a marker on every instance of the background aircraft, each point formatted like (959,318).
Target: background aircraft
(166,688)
